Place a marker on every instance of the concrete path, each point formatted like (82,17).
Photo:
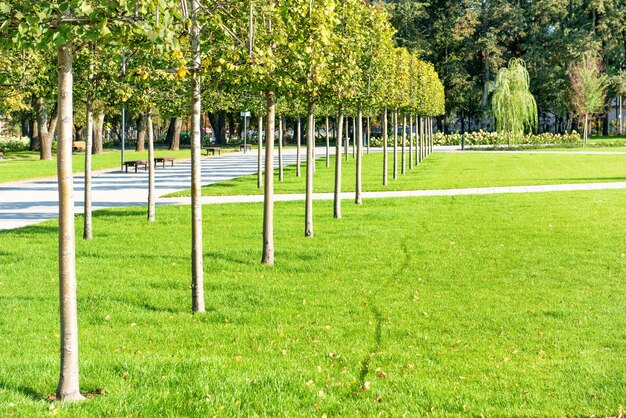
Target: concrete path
(405,193)
(29,202)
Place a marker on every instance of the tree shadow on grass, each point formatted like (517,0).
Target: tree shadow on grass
(26,391)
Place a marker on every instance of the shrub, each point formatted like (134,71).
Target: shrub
(496,138)
(14,143)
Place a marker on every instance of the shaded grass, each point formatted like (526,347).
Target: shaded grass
(444,171)
(497,305)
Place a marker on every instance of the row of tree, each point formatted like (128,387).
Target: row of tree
(311,57)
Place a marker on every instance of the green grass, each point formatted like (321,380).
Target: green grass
(445,171)
(496,305)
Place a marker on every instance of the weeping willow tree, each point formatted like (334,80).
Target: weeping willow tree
(513,106)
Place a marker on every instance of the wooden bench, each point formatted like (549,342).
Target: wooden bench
(248,146)
(78,145)
(213,149)
(163,160)
(136,164)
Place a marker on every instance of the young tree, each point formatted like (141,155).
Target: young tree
(589,88)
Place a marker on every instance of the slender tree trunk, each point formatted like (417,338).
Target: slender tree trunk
(98,128)
(197,268)
(268,202)
(68,388)
(422,153)
(430,135)
(358,198)
(310,160)
(586,130)
(327,143)
(347,121)
(354,137)
(621,115)
(339,132)
(259,171)
(281,177)
(87,229)
(369,134)
(410,142)
(404,144)
(385,153)
(141,134)
(298,136)
(151,192)
(45,138)
(395,144)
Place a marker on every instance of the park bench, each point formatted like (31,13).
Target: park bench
(78,146)
(247,146)
(163,160)
(212,150)
(136,164)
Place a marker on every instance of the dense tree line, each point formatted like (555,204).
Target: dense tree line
(468,41)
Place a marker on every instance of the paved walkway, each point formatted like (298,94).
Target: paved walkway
(32,201)
(405,193)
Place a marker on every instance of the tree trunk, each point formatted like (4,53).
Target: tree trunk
(268,202)
(586,130)
(197,268)
(310,161)
(395,144)
(259,169)
(87,228)
(404,144)
(385,156)
(45,139)
(347,121)
(173,133)
(369,134)
(141,134)
(281,176)
(298,136)
(151,192)
(354,137)
(621,115)
(98,127)
(358,198)
(410,142)
(327,143)
(68,388)
(32,131)
(422,140)
(339,133)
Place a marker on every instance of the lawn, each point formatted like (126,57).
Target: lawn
(502,305)
(446,171)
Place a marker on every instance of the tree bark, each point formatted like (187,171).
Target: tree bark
(385,153)
(259,172)
(197,268)
(354,137)
(337,196)
(347,122)
(410,142)
(369,134)
(87,228)
(395,144)
(404,144)
(327,143)
(173,133)
(298,136)
(358,198)
(98,127)
(141,134)
(281,176)
(310,161)
(268,202)
(45,138)
(151,192)
(68,388)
